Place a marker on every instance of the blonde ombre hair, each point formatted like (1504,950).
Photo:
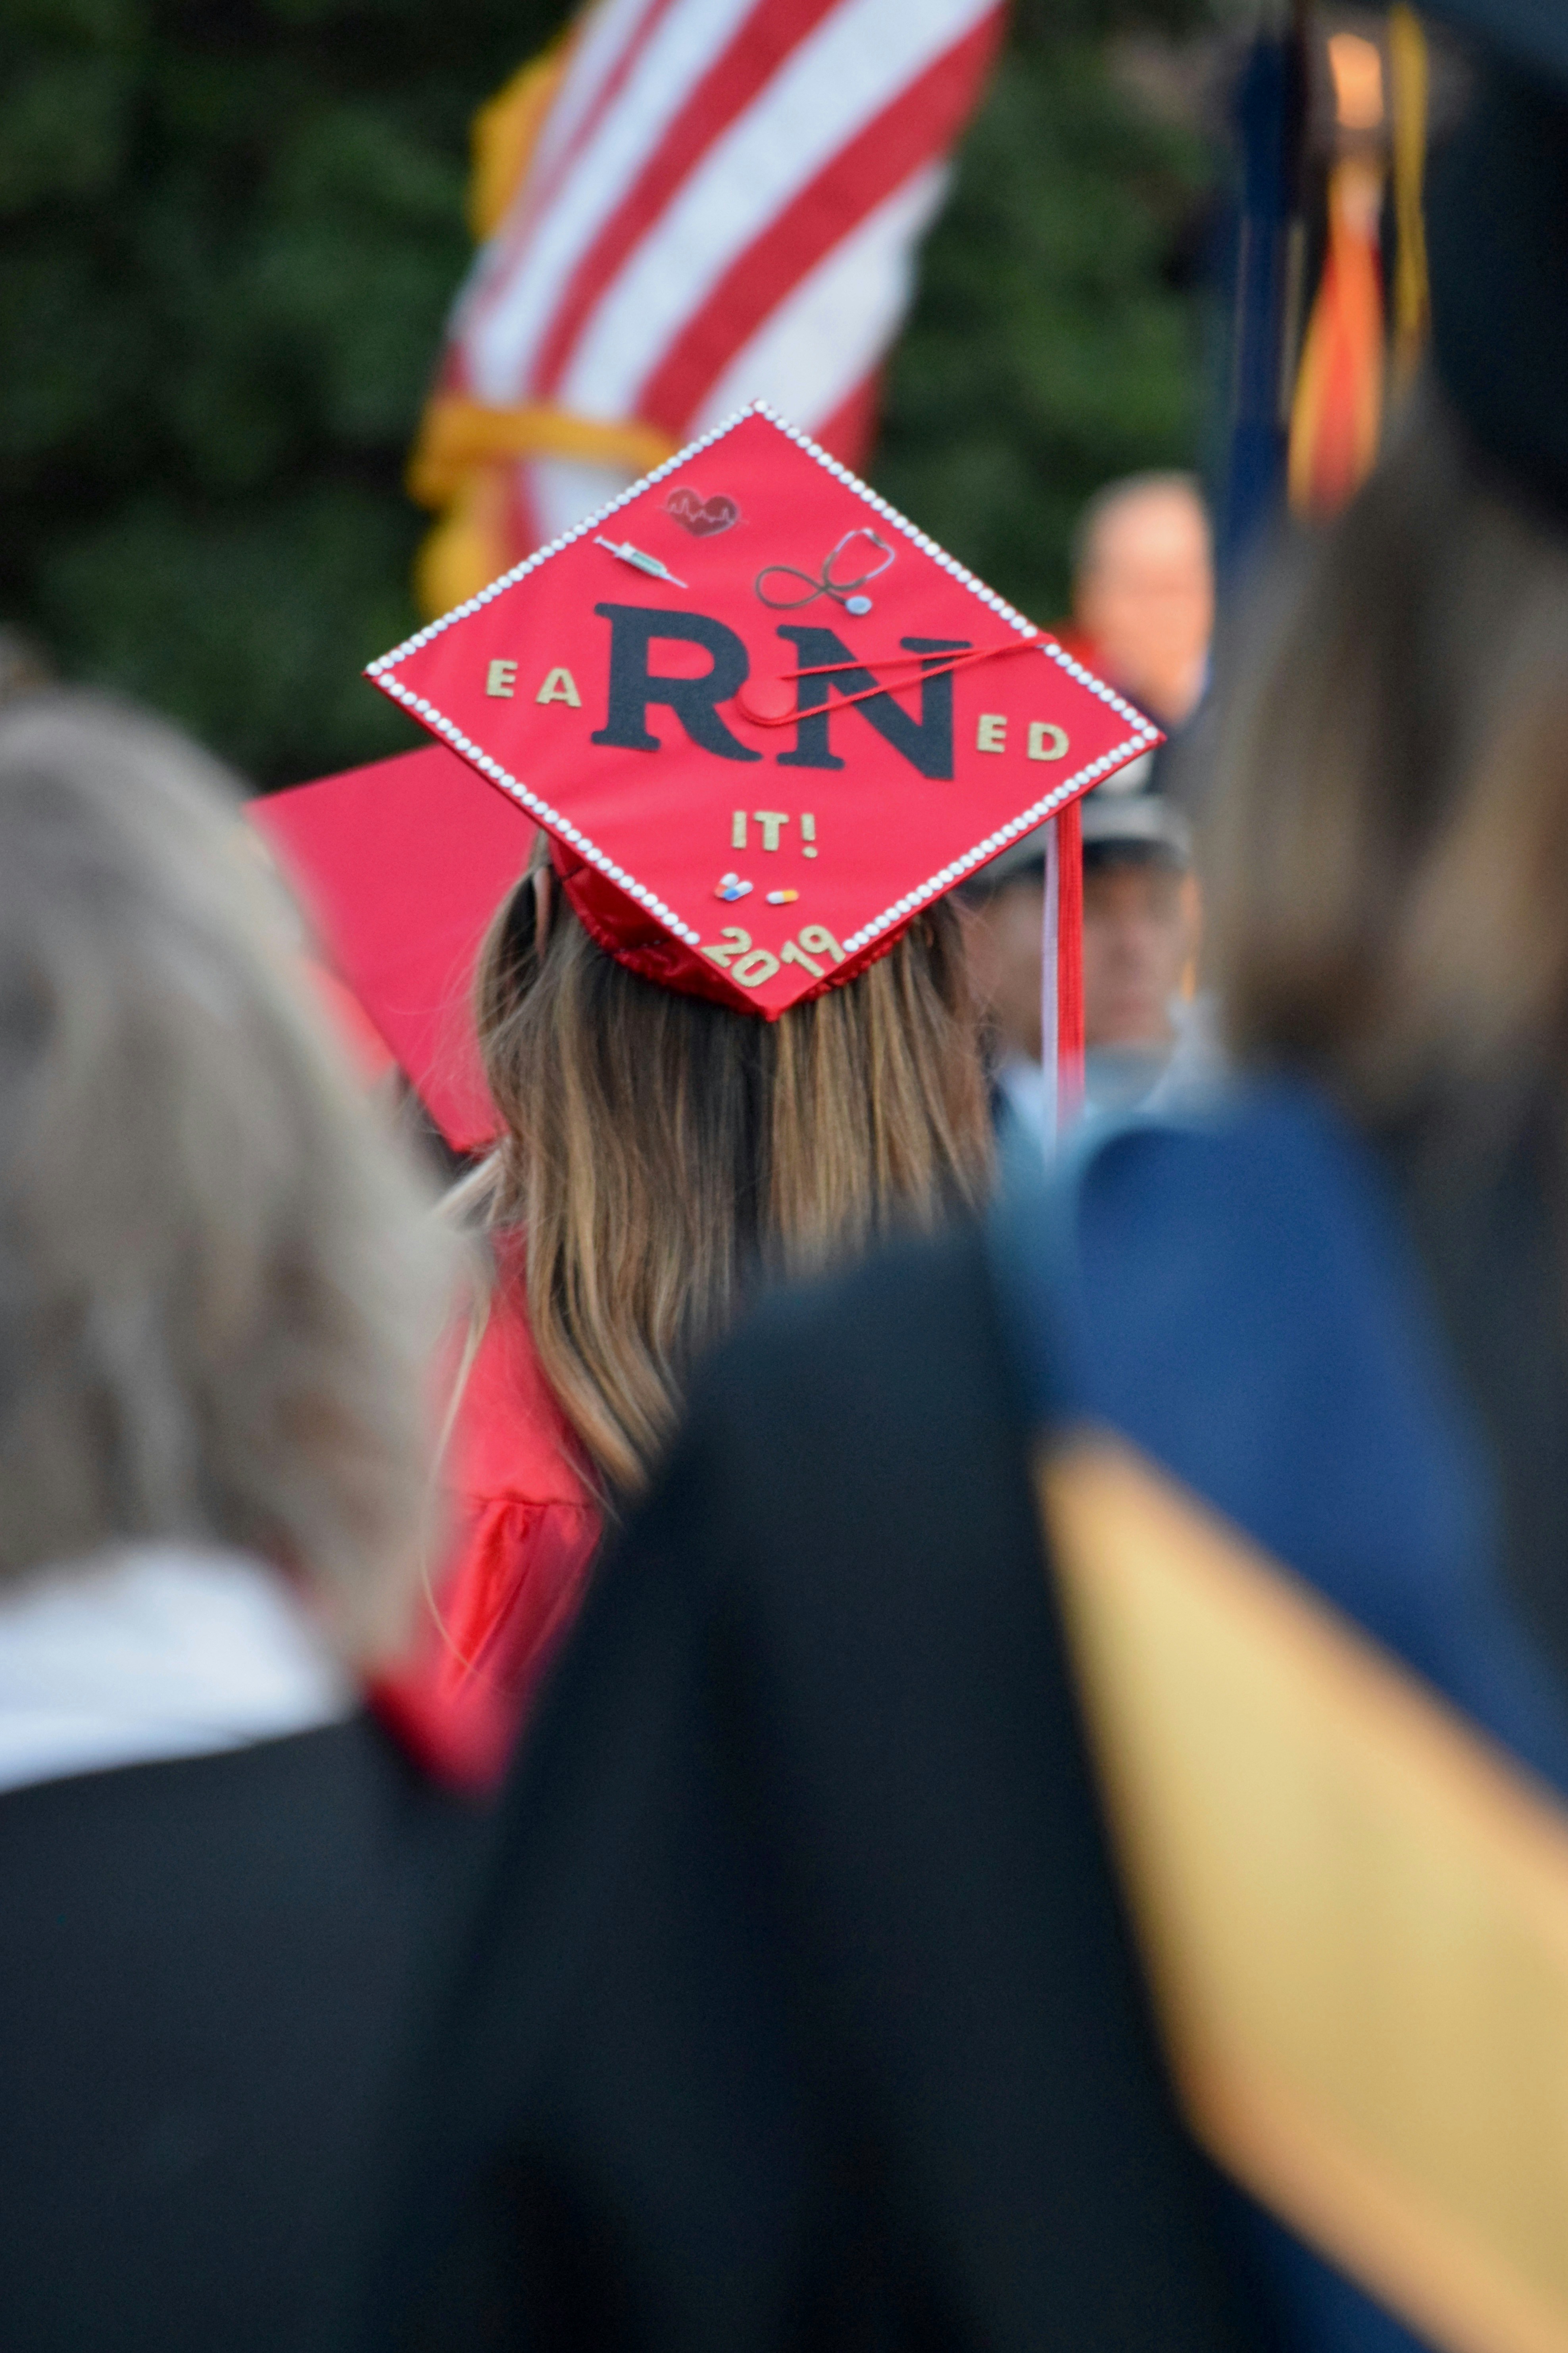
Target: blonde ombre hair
(219,1282)
(663,1155)
(1387,854)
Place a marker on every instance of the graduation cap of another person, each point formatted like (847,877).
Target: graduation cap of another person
(763,719)
(401,865)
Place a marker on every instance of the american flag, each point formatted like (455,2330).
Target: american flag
(711,201)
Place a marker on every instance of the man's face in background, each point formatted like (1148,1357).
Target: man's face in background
(1140,933)
(1144,596)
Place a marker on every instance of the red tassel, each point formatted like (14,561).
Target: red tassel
(1069,966)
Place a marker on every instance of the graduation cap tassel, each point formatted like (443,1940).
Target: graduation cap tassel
(1336,417)
(1064,970)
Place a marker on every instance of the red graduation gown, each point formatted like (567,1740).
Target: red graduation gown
(526,1520)
(524,1523)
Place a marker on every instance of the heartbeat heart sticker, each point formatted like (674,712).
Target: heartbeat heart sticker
(701,517)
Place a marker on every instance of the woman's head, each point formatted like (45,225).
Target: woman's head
(662,1153)
(217,1282)
(1388,836)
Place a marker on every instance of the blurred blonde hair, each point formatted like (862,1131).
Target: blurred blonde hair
(1387,854)
(662,1153)
(219,1282)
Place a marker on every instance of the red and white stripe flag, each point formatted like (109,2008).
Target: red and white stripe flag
(711,201)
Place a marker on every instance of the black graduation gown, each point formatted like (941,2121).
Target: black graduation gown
(216,1981)
(806,2013)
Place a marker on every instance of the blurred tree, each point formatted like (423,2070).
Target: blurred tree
(230,230)
(1058,337)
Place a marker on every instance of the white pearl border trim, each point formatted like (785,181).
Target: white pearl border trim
(381,669)
(541,810)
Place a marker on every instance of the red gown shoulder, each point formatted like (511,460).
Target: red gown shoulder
(525,1518)
(524,1524)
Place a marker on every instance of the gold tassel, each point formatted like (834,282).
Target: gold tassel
(505,133)
(459,461)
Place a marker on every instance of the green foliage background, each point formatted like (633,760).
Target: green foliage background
(1061,335)
(229,231)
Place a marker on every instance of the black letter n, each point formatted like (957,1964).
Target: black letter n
(926,743)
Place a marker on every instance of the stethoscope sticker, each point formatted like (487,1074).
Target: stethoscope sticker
(845,592)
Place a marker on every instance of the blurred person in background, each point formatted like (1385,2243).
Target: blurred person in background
(1144,1039)
(1142,617)
(1146,1043)
(218,1291)
(1054,1831)
(1142,592)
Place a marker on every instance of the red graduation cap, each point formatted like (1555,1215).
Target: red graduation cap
(401,865)
(762,718)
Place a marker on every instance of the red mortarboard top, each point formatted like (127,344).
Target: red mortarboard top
(401,865)
(736,699)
